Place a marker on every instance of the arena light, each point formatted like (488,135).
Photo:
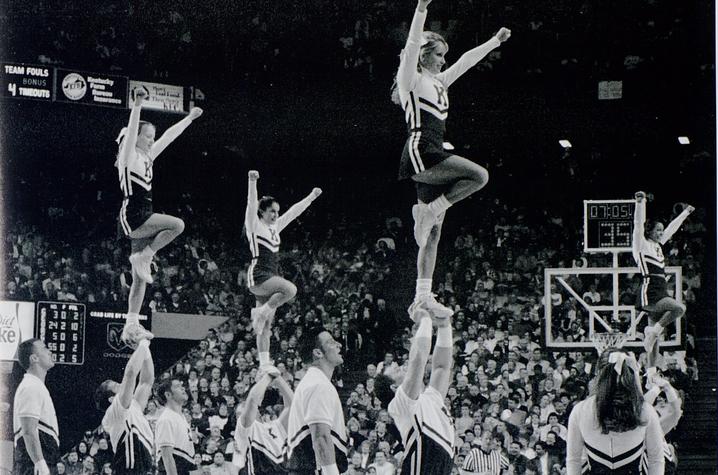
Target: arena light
(565,143)
(683,140)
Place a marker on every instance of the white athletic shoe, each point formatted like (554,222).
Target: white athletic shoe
(142,265)
(260,316)
(424,220)
(650,336)
(429,303)
(133,333)
(417,312)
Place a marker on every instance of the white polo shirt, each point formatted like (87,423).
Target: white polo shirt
(32,399)
(315,401)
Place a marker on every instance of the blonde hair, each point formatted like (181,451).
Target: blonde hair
(430,41)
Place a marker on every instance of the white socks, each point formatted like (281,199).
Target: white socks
(423,287)
(264,358)
(439,205)
(424,330)
(444,338)
(132,318)
(147,252)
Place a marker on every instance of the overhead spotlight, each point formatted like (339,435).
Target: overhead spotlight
(565,143)
(683,140)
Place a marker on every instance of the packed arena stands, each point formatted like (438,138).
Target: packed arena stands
(505,382)
(352,257)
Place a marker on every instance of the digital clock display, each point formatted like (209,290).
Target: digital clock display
(61,325)
(608,225)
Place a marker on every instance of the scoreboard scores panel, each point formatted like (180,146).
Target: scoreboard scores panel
(61,325)
(608,225)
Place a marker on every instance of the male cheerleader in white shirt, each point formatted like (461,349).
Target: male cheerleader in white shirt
(259,446)
(418,410)
(317,435)
(124,420)
(34,420)
(173,436)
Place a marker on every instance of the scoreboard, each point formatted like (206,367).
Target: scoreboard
(26,81)
(61,325)
(608,225)
(53,84)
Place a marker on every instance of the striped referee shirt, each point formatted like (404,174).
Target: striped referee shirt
(479,461)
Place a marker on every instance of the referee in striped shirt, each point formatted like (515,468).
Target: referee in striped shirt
(485,460)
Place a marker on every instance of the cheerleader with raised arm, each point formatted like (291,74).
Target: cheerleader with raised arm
(263,224)
(148,231)
(442,178)
(648,241)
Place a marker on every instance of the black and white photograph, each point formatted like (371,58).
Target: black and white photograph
(370,237)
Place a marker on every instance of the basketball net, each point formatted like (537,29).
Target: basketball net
(612,339)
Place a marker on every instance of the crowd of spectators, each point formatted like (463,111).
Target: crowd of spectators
(509,393)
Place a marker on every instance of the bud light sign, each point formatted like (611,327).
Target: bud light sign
(17,323)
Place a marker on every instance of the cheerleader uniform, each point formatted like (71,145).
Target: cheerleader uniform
(427,432)
(617,453)
(131,438)
(264,240)
(649,257)
(425,100)
(259,448)
(134,168)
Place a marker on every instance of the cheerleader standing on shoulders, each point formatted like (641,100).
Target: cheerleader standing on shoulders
(442,178)
(263,225)
(148,231)
(648,240)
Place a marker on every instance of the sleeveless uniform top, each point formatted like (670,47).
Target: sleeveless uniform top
(427,432)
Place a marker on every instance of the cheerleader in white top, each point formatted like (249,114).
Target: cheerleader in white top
(648,254)
(418,410)
(669,413)
(442,178)
(615,426)
(259,446)
(263,225)
(148,231)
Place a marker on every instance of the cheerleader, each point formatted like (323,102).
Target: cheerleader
(148,231)
(669,411)
(263,225)
(614,426)
(259,446)
(648,253)
(442,178)
(418,410)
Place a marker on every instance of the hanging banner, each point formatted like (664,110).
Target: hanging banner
(90,88)
(17,324)
(162,97)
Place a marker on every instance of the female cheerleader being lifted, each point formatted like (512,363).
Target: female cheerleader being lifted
(148,231)
(648,243)
(442,178)
(263,225)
